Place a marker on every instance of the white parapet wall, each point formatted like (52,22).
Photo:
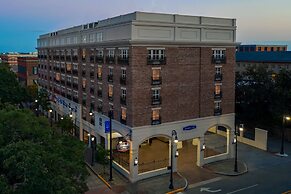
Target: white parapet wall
(261,139)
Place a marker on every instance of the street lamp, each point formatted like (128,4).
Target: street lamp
(282,153)
(93,150)
(175,138)
(135,162)
(110,147)
(51,120)
(241,128)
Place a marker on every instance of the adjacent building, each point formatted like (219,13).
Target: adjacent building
(27,70)
(261,48)
(157,73)
(11,59)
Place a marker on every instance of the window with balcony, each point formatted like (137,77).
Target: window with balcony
(217,108)
(156,56)
(110,56)
(99,73)
(99,56)
(110,75)
(110,92)
(123,116)
(156,98)
(156,76)
(123,77)
(123,56)
(218,74)
(156,118)
(217,93)
(218,56)
(123,96)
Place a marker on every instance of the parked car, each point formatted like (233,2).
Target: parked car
(123,146)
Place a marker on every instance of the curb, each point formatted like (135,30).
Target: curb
(234,174)
(179,189)
(99,176)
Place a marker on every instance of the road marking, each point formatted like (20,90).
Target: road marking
(245,188)
(204,182)
(207,189)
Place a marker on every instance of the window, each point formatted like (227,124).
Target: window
(99,37)
(272,48)
(155,114)
(156,74)
(218,70)
(84,83)
(123,93)
(99,53)
(91,38)
(84,38)
(83,54)
(123,113)
(99,72)
(110,91)
(110,53)
(156,54)
(218,53)
(110,71)
(156,94)
(123,53)
(217,89)
(69,67)
(34,70)
(123,74)
(259,48)
(217,105)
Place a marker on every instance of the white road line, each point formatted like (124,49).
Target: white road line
(245,188)
(204,182)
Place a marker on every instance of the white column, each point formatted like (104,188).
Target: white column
(175,159)
(133,169)
(200,151)
(230,146)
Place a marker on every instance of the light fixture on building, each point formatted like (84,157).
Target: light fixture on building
(62,118)
(241,127)
(71,114)
(203,147)
(234,141)
(177,153)
(93,138)
(50,110)
(135,162)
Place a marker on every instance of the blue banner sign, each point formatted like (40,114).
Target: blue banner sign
(107,126)
(189,127)
(65,104)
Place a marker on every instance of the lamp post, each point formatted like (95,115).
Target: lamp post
(110,146)
(174,136)
(241,128)
(93,144)
(51,119)
(282,153)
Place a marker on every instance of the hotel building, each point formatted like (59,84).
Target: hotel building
(155,72)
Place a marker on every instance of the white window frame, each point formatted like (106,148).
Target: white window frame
(156,53)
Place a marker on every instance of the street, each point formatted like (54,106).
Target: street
(267,173)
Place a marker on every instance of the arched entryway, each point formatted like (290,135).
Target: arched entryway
(153,154)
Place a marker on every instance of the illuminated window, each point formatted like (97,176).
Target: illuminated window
(217,89)
(69,67)
(123,113)
(155,114)
(99,72)
(156,73)
(84,83)
(110,90)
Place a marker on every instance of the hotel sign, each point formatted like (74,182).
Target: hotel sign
(189,127)
(63,103)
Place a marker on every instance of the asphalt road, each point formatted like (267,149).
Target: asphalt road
(273,179)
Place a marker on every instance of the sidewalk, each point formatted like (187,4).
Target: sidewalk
(120,184)
(226,167)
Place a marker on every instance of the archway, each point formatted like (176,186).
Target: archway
(120,150)
(215,141)
(153,154)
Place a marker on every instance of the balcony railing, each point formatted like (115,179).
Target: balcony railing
(156,101)
(217,111)
(110,60)
(122,100)
(219,60)
(123,80)
(218,77)
(123,61)
(156,81)
(123,121)
(156,121)
(110,78)
(161,61)
(99,59)
(217,95)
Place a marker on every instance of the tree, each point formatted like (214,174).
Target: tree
(43,99)
(66,124)
(10,89)
(35,160)
(102,156)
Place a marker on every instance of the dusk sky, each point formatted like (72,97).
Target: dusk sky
(22,21)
